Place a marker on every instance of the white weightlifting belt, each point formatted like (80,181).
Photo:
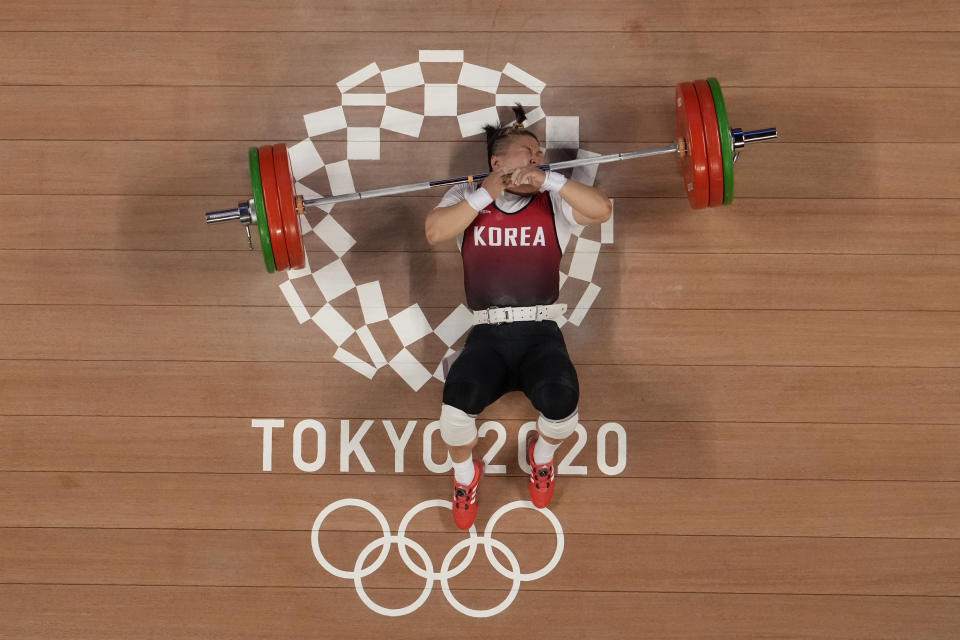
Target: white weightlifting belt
(499,315)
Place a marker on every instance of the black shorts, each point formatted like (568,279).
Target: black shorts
(517,356)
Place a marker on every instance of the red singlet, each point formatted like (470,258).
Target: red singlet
(512,259)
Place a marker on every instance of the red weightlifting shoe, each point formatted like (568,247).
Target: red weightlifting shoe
(465,498)
(541,475)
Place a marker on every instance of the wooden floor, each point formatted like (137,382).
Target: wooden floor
(770,391)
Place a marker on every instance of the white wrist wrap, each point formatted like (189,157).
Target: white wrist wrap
(479,199)
(554,181)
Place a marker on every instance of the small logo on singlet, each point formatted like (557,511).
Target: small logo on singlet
(508,237)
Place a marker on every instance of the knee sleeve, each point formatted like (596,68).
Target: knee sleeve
(456,427)
(555,400)
(558,429)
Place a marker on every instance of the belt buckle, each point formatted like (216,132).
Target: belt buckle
(507,314)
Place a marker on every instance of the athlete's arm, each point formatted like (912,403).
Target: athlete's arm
(590,205)
(446,223)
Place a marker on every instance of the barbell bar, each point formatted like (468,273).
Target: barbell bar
(706,144)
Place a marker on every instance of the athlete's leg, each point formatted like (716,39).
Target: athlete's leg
(549,380)
(474,381)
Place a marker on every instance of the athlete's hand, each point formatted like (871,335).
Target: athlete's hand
(495,183)
(527,175)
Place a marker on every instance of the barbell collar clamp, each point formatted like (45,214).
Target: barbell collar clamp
(244,212)
(741,138)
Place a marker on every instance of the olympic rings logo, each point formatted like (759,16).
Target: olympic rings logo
(426,571)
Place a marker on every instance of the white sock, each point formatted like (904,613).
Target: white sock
(464,471)
(543,451)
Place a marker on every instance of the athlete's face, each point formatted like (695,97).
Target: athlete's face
(523,151)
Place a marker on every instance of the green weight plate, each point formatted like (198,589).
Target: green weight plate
(261,211)
(726,139)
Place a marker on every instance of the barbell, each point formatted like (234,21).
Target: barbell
(706,144)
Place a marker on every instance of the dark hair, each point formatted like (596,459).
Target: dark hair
(499,138)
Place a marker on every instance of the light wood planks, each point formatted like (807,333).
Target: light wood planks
(608,392)
(646,225)
(629,281)
(785,369)
(678,564)
(607,114)
(632,336)
(765,59)
(597,505)
(567,15)
(775,170)
(100,613)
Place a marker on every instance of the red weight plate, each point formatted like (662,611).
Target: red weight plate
(271,200)
(696,176)
(288,207)
(711,133)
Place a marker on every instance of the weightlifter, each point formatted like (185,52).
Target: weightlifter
(511,231)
